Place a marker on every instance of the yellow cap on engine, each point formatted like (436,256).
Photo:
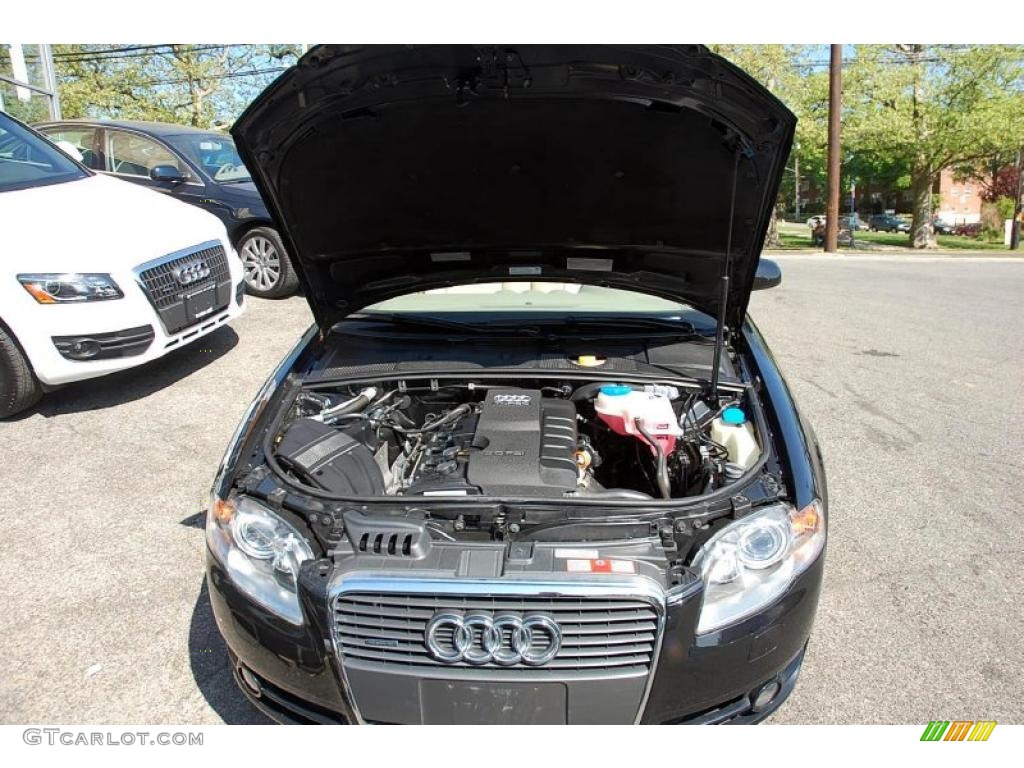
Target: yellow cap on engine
(590,361)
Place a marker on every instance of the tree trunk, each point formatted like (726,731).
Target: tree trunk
(771,240)
(922,234)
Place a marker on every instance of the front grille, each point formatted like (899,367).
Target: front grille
(163,287)
(597,634)
(170,283)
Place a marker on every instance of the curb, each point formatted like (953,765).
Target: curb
(925,257)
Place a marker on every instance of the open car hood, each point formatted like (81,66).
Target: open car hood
(394,169)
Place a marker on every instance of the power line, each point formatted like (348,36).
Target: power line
(71,54)
(76,57)
(227,76)
(126,56)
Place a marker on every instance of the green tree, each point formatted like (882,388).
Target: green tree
(917,109)
(200,85)
(792,74)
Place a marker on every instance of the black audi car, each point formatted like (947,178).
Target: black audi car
(532,463)
(196,166)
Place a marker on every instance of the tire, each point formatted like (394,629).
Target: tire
(19,387)
(266,268)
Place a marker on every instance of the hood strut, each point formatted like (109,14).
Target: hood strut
(724,280)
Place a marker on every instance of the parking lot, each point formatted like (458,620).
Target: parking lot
(910,369)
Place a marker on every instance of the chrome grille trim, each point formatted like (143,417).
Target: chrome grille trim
(157,280)
(621,634)
(644,617)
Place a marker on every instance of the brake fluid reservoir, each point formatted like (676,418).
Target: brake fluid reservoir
(736,434)
(620,407)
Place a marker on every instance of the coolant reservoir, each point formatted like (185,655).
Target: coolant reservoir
(736,434)
(620,406)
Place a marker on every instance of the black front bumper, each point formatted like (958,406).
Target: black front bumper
(293,675)
(105,346)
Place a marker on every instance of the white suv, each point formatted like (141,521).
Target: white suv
(97,274)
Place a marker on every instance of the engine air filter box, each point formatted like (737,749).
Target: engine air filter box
(326,457)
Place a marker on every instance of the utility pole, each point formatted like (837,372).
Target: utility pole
(796,184)
(835,105)
(853,212)
(1015,225)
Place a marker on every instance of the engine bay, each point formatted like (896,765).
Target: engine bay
(516,440)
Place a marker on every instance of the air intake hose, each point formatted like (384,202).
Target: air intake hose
(353,405)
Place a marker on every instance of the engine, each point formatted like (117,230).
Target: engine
(518,443)
(629,441)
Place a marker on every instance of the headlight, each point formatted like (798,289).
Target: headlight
(70,288)
(750,563)
(261,552)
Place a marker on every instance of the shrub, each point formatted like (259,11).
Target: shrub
(1005,206)
(992,221)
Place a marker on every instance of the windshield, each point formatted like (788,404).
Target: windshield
(532,297)
(215,154)
(28,160)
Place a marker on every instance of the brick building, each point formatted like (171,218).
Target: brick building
(959,199)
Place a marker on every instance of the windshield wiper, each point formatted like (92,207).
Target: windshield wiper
(569,325)
(629,325)
(403,320)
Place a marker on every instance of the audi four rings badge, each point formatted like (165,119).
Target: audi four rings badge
(479,638)
(512,399)
(192,272)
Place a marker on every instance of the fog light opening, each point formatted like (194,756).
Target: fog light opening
(765,695)
(250,681)
(83,349)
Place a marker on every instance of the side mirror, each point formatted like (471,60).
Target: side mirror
(768,275)
(168,174)
(70,150)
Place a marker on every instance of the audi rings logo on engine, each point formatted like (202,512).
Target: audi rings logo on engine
(512,399)
(192,272)
(506,639)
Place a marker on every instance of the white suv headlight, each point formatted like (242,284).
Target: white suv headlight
(260,551)
(751,562)
(70,288)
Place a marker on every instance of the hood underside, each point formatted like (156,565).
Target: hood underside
(393,169)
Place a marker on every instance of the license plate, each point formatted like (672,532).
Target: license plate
(451,702)
(201,303)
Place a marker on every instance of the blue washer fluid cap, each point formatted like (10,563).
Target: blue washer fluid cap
(734,416)
(616,389)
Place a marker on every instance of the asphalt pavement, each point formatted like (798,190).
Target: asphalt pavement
(909,368)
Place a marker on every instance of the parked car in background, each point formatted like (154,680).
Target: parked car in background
(967,230)
(847,221)
(195,166)
(853,222)
(98,275)
(818,237)
(888,222)
(942,227)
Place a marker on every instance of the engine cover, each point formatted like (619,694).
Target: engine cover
(524,445)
